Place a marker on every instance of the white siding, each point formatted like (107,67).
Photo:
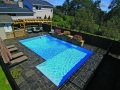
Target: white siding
(37,13)
(2,32)
(22,17)
(44,11)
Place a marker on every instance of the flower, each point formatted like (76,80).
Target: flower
(77,37)
(57,31)
(66,32)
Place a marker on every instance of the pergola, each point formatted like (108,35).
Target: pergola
(32,20)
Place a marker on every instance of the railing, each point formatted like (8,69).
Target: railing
(104,57)
(8,75)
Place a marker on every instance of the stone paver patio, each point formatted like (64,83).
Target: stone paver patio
(32,79)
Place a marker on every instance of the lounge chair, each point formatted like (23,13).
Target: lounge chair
(7,57)
(12,49)
(29,30)
(10,46)
(16,55)
(17,61)
(36,29)
(41,28)
(52,31)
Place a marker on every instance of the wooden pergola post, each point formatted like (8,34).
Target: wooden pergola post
(51,24)
(24,28)
(13,30)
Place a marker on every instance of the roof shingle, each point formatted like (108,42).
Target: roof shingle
(5,19)
(12,8)
(40,2)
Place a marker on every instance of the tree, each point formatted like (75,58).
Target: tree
(58,21)
(110,29)
(84,20)
(66,6)
(49,17)
(45,17)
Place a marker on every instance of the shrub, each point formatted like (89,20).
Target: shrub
(49,17)
(66,32)
(45,17)
(77,37)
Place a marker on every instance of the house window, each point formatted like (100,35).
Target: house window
(38,7)
(7,26)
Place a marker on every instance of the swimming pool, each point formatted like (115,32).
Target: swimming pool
(62,58)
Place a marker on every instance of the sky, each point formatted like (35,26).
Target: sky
(104,3)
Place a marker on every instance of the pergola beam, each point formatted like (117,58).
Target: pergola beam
(33,20)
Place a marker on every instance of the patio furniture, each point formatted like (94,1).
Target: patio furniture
(29,30)
(16,55)
(10,46)
(12,49)
(36,29)
(8,58)
(52,31)
(17,61)
(41,28)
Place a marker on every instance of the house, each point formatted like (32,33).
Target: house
(5,27)
(19,9)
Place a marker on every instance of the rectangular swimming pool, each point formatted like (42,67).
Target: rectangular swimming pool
(62,58)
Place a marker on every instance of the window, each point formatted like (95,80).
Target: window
(38,7)
(11,14)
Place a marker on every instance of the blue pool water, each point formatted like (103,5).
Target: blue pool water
(62,58)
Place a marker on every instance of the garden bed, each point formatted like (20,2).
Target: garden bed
(67,39)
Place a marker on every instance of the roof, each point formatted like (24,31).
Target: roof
(12,8)
(5,19)
(40,2)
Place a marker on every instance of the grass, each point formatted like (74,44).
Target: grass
(16,73)
(4,84)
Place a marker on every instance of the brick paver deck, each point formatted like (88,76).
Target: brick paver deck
(33,79)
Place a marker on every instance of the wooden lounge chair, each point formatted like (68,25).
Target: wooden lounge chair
(17,61)
(16,55)
(10,46)
(12,49)
(20,59)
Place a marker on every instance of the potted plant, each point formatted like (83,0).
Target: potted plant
(77,37)
(66,32)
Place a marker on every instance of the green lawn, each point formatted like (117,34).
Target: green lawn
(4,85)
